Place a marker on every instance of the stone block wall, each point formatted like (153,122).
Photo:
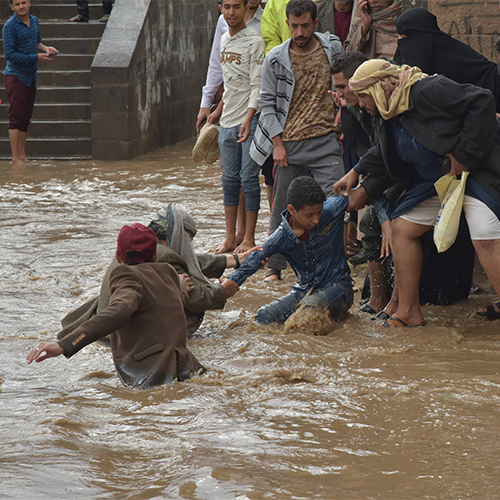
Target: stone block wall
(148,73)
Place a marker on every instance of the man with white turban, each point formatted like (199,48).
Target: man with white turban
(427,121)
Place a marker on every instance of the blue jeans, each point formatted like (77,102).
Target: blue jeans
(238,169)
(337,298)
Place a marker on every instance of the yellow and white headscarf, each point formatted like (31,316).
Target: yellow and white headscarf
(389,85)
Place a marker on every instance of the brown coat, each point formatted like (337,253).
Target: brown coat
(204,296)
(145,318)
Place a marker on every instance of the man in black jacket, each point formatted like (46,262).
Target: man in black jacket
(426,119)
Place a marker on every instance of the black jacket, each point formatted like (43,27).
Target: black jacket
(445,117)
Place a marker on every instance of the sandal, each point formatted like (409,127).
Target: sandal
(397,322)
(382,315)
(491,312)
(79,19)
(273,272)
(365,308)
(353,247)
(104,19)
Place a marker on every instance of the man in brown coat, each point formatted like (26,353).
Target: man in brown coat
(145,318)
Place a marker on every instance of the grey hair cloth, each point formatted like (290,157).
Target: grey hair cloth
(174,225)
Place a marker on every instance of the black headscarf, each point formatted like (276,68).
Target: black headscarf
(434,51)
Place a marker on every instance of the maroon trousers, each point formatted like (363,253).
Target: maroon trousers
(21,102)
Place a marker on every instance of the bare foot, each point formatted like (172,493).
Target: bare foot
(18,162)
(244,246)
(239,238)
(228,245)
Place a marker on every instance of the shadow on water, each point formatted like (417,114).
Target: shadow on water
(362,412)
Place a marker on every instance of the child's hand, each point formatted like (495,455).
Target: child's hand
(244,255)
(51,350)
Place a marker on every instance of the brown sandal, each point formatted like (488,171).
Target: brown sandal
(397,322)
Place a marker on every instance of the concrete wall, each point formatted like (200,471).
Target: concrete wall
(151,65)
(148,73)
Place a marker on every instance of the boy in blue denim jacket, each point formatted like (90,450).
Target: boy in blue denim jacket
(311,238)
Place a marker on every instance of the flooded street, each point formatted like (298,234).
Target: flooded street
(362,413)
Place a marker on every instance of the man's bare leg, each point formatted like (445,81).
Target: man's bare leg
(488,252)
(378,289)
(249,240)
(407,253)
(242,219)
(392,305)
(270,190)
(14,136)
(229,244)
(22,146)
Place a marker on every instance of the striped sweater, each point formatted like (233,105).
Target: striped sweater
(276,92)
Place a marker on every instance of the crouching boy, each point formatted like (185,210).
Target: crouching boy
(310,237)
(145,318)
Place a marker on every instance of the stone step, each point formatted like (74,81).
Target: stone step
(53,11)
(65,29)
(56,128)
(61,127)
(52,147)
(77,46)
(64,78)
(77,78)
(54,111)
(57,94)
(63,62)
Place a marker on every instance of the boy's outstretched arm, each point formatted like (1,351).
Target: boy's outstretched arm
(43,351)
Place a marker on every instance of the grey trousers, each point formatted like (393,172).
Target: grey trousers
(319,156)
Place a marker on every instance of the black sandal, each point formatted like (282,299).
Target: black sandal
(492,312)
(366,308)
(382,315)
(273,272)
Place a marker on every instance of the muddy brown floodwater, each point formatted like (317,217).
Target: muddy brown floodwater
(360,413)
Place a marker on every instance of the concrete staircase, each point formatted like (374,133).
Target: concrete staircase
(61,124)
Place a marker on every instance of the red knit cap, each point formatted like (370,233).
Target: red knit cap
(136,244)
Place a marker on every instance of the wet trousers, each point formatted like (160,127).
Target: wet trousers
(337,298)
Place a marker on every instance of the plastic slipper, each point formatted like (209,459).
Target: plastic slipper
(213,152)
(492,312)
(382,315)
(365,308)
(353,247)
(397,322)
(208,134)
(273,272)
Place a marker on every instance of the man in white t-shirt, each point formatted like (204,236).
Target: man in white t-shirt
(242,55)
(253,16)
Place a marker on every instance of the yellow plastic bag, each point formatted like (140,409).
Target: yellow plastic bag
(451,193)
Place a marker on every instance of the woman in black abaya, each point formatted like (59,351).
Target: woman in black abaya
(424,45)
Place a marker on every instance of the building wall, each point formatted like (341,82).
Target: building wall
(151,65)
(148,73)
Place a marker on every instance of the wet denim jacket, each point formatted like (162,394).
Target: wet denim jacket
(318,262)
